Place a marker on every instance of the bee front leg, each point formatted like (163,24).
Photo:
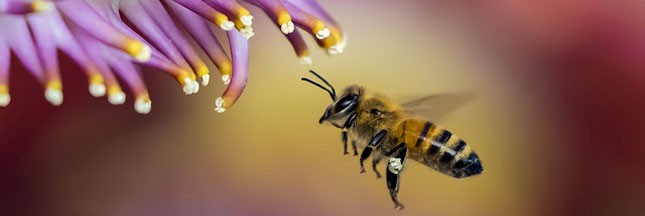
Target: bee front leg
(344,137)
(394,167)
(350,121)
(374,143)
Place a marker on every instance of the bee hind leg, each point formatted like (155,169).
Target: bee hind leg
(394,167)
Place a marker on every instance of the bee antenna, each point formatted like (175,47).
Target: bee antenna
(332,95)
(333,90)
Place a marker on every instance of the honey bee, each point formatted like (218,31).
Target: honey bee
(386,129)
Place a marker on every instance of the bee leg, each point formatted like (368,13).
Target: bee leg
(375,161)
(394,167)
(344,137)
(354,147)
(366,153)
(375,142)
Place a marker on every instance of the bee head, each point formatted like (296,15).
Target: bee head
(341,108)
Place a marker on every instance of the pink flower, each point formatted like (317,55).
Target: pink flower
(112,38)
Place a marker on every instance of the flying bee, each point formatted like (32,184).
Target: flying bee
(386,129)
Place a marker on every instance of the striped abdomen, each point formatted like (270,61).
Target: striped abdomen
(438,148)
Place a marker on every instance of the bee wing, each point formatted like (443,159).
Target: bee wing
(439,106)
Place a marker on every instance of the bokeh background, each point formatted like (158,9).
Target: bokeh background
(557,122)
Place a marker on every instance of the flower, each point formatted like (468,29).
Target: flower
(111,38)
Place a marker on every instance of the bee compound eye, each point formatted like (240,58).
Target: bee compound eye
(375,112)
(345,102)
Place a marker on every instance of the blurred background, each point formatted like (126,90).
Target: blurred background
(557,121)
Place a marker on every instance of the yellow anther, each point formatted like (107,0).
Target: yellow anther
(96,78)
(225,67)
(140,51)
(40,5)
(220,18)
(283,17)
(55,84)
(112,90)
(201,69)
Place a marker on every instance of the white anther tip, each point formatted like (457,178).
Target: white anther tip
(226,78)
(227,25)
(206,79)
(219,102)
(97,90)
(287,27)
(247,32)
(54,96)
(219,105)
(145,54)
(323,33)
(343,43)
(195,85)
(306,60)
(333,51)
(143,106)
(246,20)
(117,98)
(4,99)
(188,86)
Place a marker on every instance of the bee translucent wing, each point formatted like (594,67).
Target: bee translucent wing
(439,106)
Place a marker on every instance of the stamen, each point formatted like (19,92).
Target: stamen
(204,36)
(161,17)
(40,5)
(308,21)
(21,7)
(19,39)
(149,27)
(239,76)
(323,33)
(5,98)
(284,20)
(5,56)
(116,95)
(139,50)
(298,44)
(84,16)
(204,10)
(54,93)
(233,10)
(97,90)
(94,51)
(143,105)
